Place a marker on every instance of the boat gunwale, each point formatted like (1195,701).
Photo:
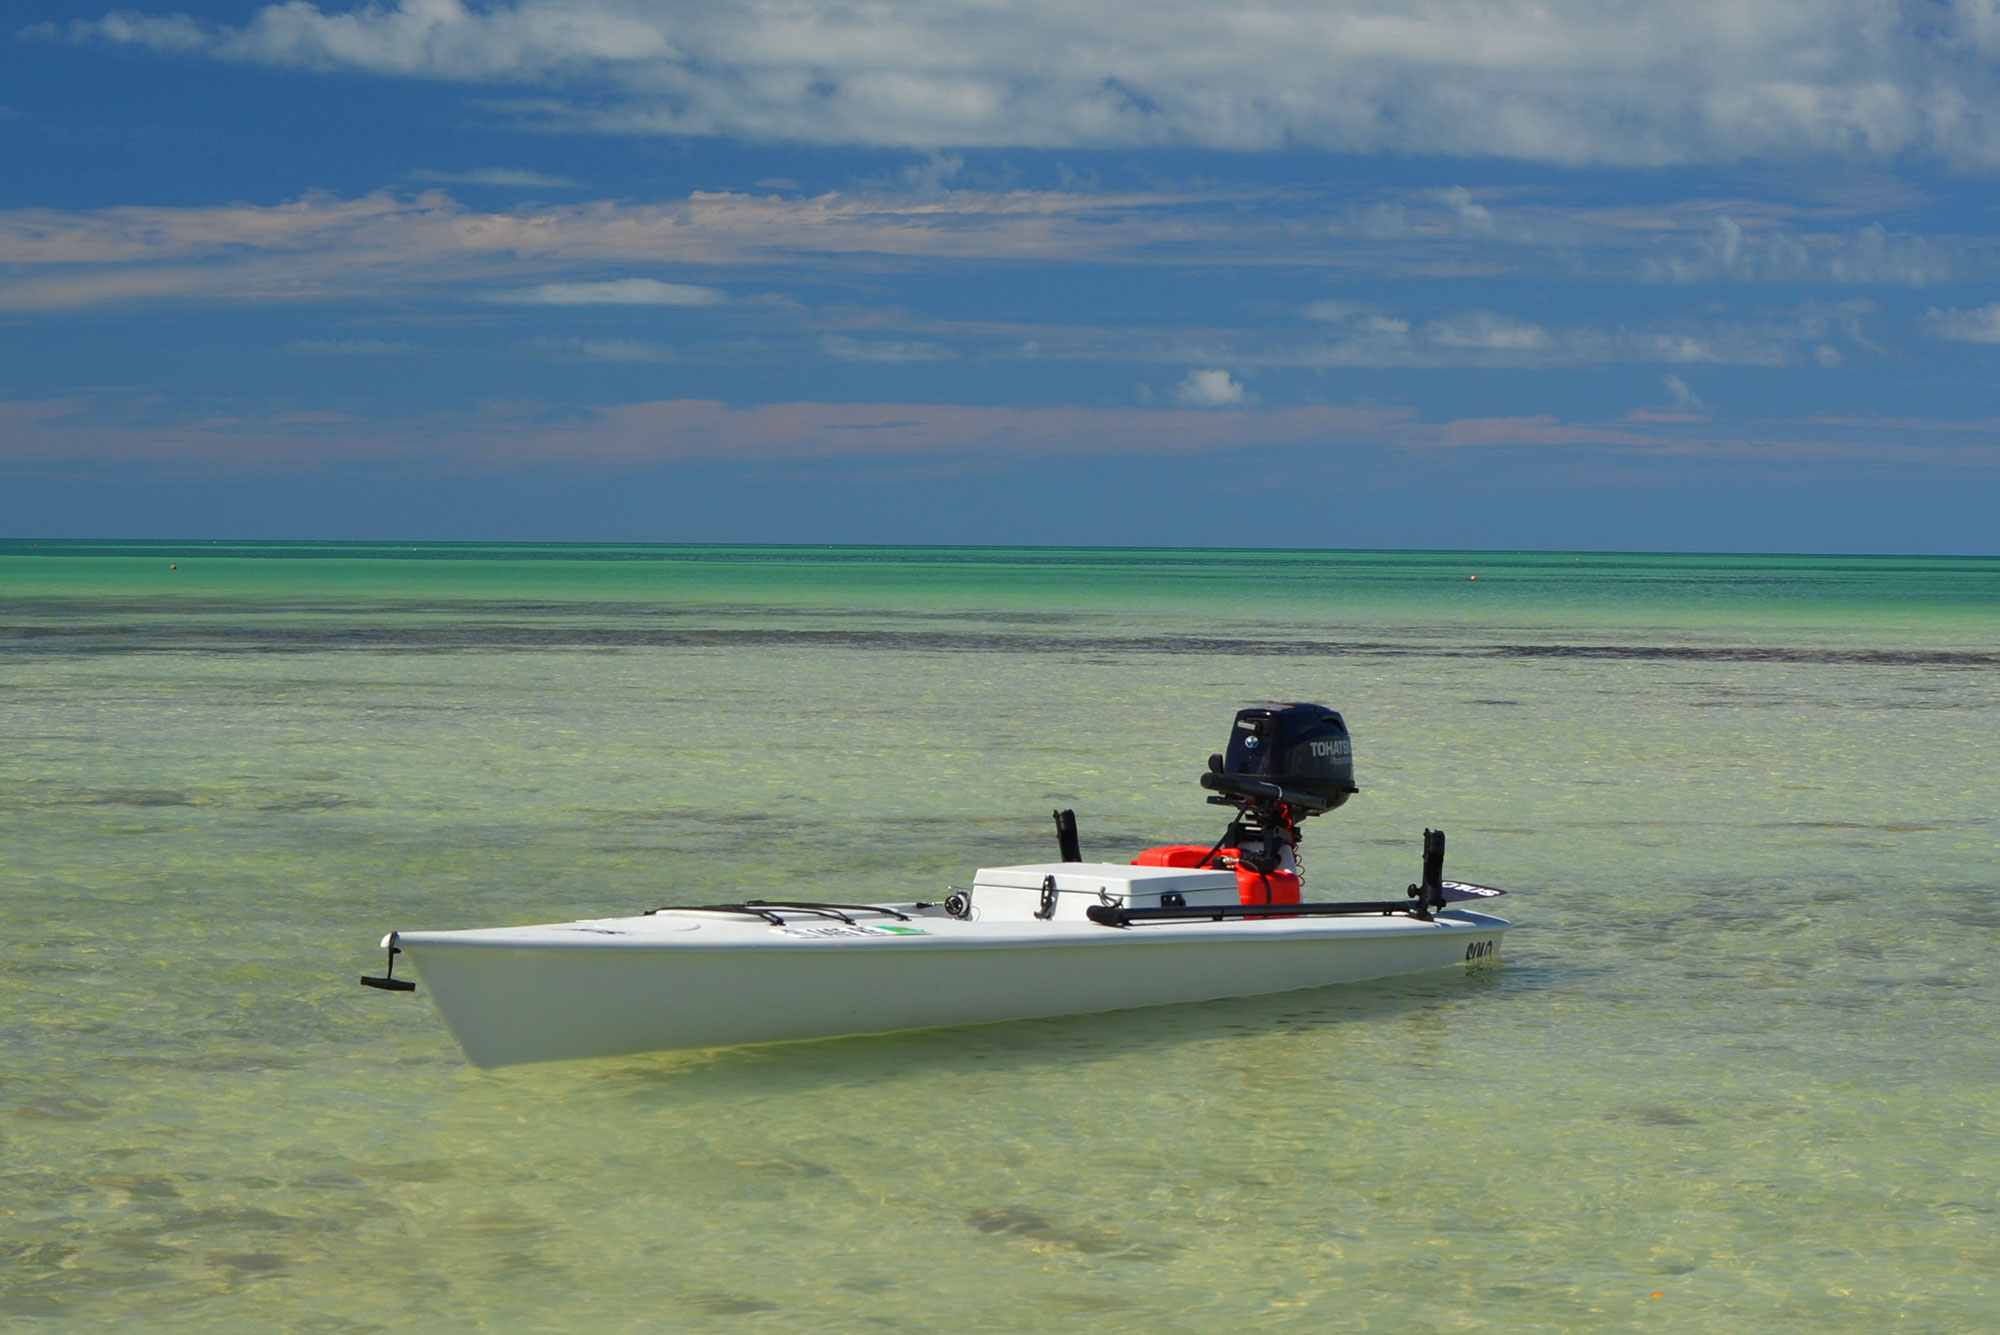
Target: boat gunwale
(774,940)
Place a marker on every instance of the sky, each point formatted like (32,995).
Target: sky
(1711,275)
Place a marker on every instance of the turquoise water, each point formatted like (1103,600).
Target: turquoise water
(1740,1052)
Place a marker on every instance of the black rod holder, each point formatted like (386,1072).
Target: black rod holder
(1066,839)
(1429,893)
(388,982)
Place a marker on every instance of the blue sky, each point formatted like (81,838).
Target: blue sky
(1713,276)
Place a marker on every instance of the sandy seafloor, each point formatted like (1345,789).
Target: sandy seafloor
(1738,1070)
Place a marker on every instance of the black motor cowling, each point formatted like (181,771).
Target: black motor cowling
(1300,748)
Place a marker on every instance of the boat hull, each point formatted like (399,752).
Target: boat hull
(645,985)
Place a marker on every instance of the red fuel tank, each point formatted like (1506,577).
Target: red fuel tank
(1252,887)
(1178,855)
(1267,887)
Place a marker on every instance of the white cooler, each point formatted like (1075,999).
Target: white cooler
(1016,894)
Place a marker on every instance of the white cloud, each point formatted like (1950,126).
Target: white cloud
(1362,321)
(850,349)
(1333,312)
(1488,331)
(1490,338)
(172,32)
(1569,81)
(1980,325)
(1213,388)
(1763,252)
(76,433)
(1471,215)
(933,174)
(1684,399)
(500,176)
(353,347)
(325,248)
(615,292)
(600,349)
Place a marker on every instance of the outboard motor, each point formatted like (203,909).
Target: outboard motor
(1303,751)
(1284,763)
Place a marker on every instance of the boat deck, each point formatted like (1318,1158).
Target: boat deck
(901,926)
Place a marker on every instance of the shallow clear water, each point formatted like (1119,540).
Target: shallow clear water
(1740,1052)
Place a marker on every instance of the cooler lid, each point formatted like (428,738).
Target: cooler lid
(1113,878)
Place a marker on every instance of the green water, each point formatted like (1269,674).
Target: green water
(1740,1054)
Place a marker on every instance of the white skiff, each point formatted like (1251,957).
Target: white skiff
(1050,939)
(1181,923)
